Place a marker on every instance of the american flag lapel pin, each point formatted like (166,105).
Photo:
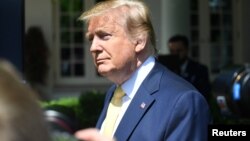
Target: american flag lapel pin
(143,105)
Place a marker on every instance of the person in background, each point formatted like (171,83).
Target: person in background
(156,104)
(35,61)
(193,71)
(21,118)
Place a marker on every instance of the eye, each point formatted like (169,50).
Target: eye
(104,36)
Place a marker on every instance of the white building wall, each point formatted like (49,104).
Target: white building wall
(169,17)
(39,13)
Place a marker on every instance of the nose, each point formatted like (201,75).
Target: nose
(95,44)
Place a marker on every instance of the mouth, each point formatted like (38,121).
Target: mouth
(101,61)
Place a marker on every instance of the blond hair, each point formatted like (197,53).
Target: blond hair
(136,18)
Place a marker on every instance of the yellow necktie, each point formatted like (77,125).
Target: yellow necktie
(113,111)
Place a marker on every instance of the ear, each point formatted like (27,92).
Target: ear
(140,43)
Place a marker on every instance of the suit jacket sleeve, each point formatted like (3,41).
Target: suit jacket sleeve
(185,123)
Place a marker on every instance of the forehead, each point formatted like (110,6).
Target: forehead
(107,21)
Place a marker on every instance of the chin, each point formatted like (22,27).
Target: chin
(102,72)
(105,73)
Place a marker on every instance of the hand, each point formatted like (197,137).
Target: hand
(91,134)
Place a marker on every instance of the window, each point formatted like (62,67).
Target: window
(212,33)
(221,34)
(71,50)
(74,64)
(194,24)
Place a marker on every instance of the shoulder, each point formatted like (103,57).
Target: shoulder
(169,89)
(169,81)
(175,92)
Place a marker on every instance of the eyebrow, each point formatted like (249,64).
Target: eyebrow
(98,31)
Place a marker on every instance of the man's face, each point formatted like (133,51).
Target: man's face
(178,48)
(112,50)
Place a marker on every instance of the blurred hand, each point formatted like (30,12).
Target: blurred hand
(91,134)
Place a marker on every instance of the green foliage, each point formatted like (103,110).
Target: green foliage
(90,106)
(84,110)
(65,101)
(59,136)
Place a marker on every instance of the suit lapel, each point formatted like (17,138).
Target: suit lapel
(140,104)
(137,108)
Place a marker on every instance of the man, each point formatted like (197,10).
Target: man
(158,105)
(192,71)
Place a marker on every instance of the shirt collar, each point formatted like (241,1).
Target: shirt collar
(131,86)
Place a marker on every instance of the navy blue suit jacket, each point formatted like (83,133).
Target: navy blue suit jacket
(165,108)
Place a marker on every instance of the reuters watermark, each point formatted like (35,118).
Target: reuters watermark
(241,132)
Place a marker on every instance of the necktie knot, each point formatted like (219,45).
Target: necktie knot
(117,97)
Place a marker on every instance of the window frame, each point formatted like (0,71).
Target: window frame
(90,76)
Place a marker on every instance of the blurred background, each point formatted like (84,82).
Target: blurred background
(45,41)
